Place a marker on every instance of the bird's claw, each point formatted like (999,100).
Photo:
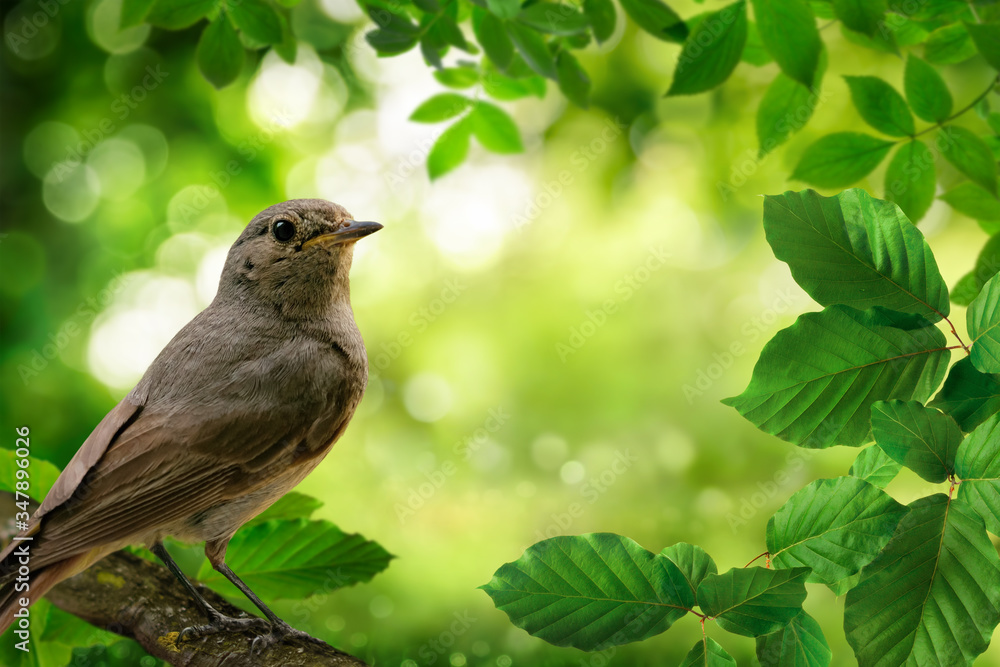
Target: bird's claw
(224,624)
(279,632)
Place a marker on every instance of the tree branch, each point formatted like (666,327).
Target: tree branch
(142,600)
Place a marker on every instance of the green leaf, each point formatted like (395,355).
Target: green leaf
(972,200)
(753,601)
(63,628)
(925,598)
(922,439)
(926,91)
(949,45)
(987,266)
(788,30)
(503,87)
(494,129)
(693,563)
(440,107)
(855,250)
(863,16)
(799,644)
(880,40)
(708,653)
(41,654)
(786,107)
(590,591)
(533,49)
(292,505)
(492,36)
(256,18)
(292,560)
(134,12)
(505,9)
(388,42)
(712,51)
(986,37)
(457,77)
(220,53)
(573,80)
(910,180)
(657,19)
(978,466)
(834,526)
(41,474)
(881,106)
(288,47)
(450,149)
(602,17)
(554,19)
(984,326)
(970,155)
(754,51)
(875,467)
(178,14)
(970,397)
(815,382)
(840,159)
(964,291)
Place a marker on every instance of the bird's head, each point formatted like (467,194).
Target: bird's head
(295,255)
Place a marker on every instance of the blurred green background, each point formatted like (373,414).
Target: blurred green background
(549,334)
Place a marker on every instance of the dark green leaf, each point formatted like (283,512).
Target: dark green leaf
(573,80)
(505,9)
(712,51)
(291,506)
(970,155)
(969,396)
(388,43)
(861,15)
(875,467)
(134,12)
(978,466)
(949,45)
(786,107)
(494,129)
(708,653)
(815,382)
(922,439)
(880,105)
(964,291)
(258,19)
(288,47)
(971,200)
(855,250)
(457,77)
(840,159)
(693,563)
(753,601)
(799,644)
(788,30)
(657,19)
(986,37)
(910,180)
(834,526)
(984,326)
(450,149)
(492,36)
(926,91)
(553,18)
(177,14)
(220,53)
(925,597)
(987,266)
(296,559)
(590,591)
(602,17)
(533,49)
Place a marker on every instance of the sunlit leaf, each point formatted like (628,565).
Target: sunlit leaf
(910,180)
(178,14)
(788,30)
(841,159)
(553,18)
(815,382)
(949,45)
(922,439)
(925,595)
(256,18)
(978,466)
(970,155)
(494,129)
(708,653)
(505,9)
(786,107)
(134,12)
(754,51)
(880,105)
(450,149)
(657,19)
(573,80)
(590,591)
(753,601)
(457,77)
(856,250)
(972,200)
(440,107)
(875,466)
(834,526)
(533,49)
(712,51)
(292,505)
(220,53)
(492,37)
(799,644)
(41,474)
(926,91)
(984,326)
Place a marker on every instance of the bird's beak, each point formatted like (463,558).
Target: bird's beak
(352,232)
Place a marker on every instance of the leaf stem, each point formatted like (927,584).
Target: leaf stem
(766,553)
(941,123)
(955,333)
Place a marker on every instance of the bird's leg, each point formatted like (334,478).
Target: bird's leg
(217,621)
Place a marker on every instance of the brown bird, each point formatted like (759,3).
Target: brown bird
(236,410)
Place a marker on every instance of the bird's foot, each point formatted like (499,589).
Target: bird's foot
(220,623)
(279,632)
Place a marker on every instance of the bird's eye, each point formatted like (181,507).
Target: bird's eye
(283,230)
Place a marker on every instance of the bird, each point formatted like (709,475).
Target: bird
(236,410)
